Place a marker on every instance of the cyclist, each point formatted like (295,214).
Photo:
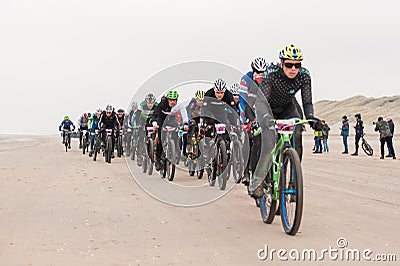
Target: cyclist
(218,103)
(252,79)
(359,127)
(216,100)
(193,110)
(167,108)
(94,125)
(67,124)
(277,99)
(234,89)
(109,120)
(121,116)
(83,125)
(127,124)
(143,119)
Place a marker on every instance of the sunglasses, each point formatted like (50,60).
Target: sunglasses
(290,65)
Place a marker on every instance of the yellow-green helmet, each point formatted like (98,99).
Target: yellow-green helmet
(66,117)
(199,95)
(172,95)
(291,52)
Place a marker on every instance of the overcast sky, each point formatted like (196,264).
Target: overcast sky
(73,56)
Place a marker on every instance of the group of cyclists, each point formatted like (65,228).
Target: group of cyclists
(265,93)
(92,125)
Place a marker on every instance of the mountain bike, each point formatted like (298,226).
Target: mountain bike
(218,154)
(182,135)
(236,162)
(194,158)
(366,147)
(67,139)
(96,144)
(284,180)
(131,142)
(109,147)
(85,141)
(169,155)
(148,152)
(119,142)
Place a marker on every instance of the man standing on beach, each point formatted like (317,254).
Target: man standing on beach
(359,127)
(345,133)
(391,127)
(385,136)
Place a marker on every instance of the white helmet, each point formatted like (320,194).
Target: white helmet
(235,89)
(259,64)
(109,108)
(219,85)
(150,98)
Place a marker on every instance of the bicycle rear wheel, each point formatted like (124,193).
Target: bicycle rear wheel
(291,192)
(267,203)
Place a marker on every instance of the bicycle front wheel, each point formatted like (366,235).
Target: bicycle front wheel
(221,163)
(291,191)
(169,162)
(367,148)
(109,150)
(237,164)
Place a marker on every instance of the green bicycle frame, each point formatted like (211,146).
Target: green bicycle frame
(276,155)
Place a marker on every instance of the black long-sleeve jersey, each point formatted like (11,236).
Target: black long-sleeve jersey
(279,90)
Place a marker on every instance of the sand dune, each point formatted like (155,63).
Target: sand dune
(370,109)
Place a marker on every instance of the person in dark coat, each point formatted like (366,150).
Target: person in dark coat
(344,132)
(359,127)
(391,127)
(385,136)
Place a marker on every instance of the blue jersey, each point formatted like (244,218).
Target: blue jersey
(246,83)
(95,122)
(67,124)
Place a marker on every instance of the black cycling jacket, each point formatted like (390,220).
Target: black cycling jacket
(279,90)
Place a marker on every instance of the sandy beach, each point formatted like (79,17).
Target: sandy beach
(61,208)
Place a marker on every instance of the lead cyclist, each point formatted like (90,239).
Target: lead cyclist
(276,100)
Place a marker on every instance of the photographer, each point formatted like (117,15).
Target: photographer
(385,136)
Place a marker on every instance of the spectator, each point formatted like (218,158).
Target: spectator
(318,136)
(359,127)
(345,130)
(385,136)
(325,135)
(391,127)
